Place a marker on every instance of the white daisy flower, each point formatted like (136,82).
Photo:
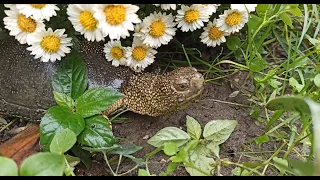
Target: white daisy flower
(137,30)
(212,8)
(116,19)
(140,55)
(38,11)
(190,18)
(81,17)
(115,53)
(212,35)
(167,6)
(158,29)
(9,5)
(232,20)
(49,45)
(244,7)
(21,26)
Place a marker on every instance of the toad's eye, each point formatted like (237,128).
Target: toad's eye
(182,86)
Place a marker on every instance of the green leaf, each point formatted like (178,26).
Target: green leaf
(294,83)
(71,76)
(193,128)
(281,161)
(219,130)
(239,171)
(295,11)
(171,168)
(142,172)
(258,64)
(8,167)
(125,149)
(191,145)
(214,148)
(102,149)
(261,9)
(138,161)
(276,115)
(168,134)
(97,133)
(57,119)
(261,139)
(63,141)
(198,157)
(43,164)
(314,42)
(84,155)
(289,103)
(296,167)
(95,100)
(286,19)
(72,161)
(233,43)
(63,100)
(170,148)
(315,113)
(68,171)
(300,168)
(251,164)
(180,157)
(317,80)
(254,23)
(293,5)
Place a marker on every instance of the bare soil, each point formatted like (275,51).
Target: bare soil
(213,104)
(205,108)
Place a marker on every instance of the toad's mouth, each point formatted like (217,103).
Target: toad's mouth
(191,98)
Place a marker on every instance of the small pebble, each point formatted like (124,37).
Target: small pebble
(146,137)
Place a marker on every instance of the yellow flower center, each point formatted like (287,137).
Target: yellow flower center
(87,20)
(233,19)
(215,33)
(50,43)
(139,53)
(157,28)
(205,4)
(117,52)
(115,14)
(28,25)
(191,16)
(38,6)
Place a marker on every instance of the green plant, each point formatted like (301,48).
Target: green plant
(310,130)
(199,156)
(53,163)
(76,122)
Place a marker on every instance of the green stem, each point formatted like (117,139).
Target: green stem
(188,164)
(7,125)
(119,161)
(106,159)
(150,154)
(242,166)
(185,53)
(305,127)
(268,160)
(288,59)
(135,167)
(68,165)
